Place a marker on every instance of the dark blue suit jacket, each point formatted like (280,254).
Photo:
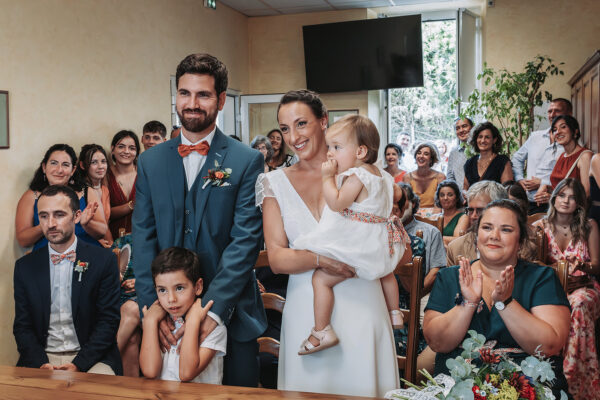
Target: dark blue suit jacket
(228,228)
(94,302)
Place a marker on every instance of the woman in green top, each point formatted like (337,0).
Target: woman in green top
(450,200)
(520,305)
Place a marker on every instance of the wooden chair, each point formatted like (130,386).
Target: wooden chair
(541,244)
(562,271)
(262,260)
(271,301)
(535,217)
(437,222)
(414,272)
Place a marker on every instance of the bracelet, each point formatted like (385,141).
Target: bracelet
(318,261)
(469,304)
(129,204)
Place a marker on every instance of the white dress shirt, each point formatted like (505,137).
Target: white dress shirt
(540,154)
(192,164)
(61,331)
(194,161)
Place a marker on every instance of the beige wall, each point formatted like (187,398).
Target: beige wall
(277,55)
(515,31)
(78,71)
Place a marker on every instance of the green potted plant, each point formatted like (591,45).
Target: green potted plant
(509,98)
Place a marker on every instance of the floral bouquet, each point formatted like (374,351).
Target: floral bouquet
(498,377)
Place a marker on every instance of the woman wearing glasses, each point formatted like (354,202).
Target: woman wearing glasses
(58,167)
(478,197)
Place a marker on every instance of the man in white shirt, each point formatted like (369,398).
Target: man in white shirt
(66,295)
(540,153)
(457,158)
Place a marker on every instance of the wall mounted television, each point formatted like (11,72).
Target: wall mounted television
(371,54)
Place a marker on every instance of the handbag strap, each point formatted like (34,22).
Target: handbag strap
(575,163)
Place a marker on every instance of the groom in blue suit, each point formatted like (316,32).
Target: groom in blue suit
(197,191)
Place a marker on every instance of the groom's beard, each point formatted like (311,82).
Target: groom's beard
(199,123)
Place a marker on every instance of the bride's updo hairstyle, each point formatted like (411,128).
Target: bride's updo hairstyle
(308,97)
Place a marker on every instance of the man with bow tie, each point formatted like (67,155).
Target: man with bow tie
(66,295)
(197,191)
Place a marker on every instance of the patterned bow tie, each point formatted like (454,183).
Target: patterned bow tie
(185,149)
(69,255)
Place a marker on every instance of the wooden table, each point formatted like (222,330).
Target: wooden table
(32,384)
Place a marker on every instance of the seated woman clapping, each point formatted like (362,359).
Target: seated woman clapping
(518,305)
(573,237)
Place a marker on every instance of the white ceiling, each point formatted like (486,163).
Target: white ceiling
(257,8)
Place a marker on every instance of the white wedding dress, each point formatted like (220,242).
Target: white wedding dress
(364,362)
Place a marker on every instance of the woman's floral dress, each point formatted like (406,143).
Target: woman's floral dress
(580,355)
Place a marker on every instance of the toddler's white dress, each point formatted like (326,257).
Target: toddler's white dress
(350,239)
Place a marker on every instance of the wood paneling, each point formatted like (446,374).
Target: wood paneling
(585,95)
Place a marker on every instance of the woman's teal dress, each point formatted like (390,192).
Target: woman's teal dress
(535,285)
(451,226)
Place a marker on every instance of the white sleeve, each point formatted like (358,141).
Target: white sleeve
(217,340)
(262,189)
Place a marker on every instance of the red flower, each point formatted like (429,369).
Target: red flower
(488,357)
(476,394)
(520,382)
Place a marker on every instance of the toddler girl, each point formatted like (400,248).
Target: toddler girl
(356,227)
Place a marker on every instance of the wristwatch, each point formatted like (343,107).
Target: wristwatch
(501,305)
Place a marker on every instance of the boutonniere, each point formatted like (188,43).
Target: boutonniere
(81,267)
(217,176)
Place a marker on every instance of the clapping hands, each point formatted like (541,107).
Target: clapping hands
(470,287)
(505,285)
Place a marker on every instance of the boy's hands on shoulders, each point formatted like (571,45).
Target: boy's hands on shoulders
(153,314)
(196,314)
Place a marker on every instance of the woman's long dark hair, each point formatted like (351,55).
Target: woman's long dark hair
(40,182)
(277,160)
(580,226)
(85,158)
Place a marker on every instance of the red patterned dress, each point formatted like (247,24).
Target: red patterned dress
(580,358)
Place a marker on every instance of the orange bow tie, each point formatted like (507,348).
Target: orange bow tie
(69,255)
(185,149)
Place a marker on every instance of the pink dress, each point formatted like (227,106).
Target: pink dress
(580,358)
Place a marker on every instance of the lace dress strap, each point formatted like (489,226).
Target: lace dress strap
(262,189)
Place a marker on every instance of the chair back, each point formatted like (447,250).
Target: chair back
(541,245)
(262,260)
(271,301)
(437,222)
(414,272)
(535,217)
(562,271)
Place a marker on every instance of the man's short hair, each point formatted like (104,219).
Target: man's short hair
(492,189)
(53,190)
(175,259)
(411,196)
(567,103)
(155,127)
(204,64)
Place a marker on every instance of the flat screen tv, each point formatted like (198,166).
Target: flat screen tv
(368,54)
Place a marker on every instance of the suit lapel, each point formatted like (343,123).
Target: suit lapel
(75,282)
(43,283)
(217,152)
(176,177)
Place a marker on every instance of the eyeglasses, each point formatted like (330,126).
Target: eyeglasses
(471,210)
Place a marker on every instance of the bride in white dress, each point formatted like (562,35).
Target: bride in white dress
(364,362)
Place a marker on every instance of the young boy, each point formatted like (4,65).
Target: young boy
(176,273)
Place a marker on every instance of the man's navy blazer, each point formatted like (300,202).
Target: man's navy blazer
(227,228)
(94,301)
